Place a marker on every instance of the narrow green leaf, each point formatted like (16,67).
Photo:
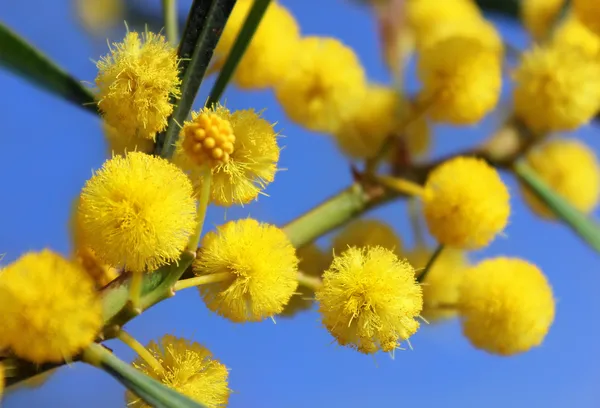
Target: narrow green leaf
(239,48)
(203,29)
(153,392)
(20,57)
(584,226)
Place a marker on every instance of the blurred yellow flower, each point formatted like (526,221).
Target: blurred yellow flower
(119,144)
(367,232)
(572,33)
(261,268)
(539,16)
(137,212)
(423,16)
(49,306)
(370,299)
(97,16)
(189,368)
(588,11)
(507,306)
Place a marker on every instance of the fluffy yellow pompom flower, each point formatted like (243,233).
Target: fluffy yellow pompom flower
(313,262)
(556,89)
(540,15)
(363,134)
(271,50)
(260,265)
(49,306)
(442,282)
(466,204)
(461,80)
(122,144)
(506,305)
(572,33)
(370,299)
(250,166)
(137,212)
(588,11)
(187,367)
(477,29)
(135,83)
(324,86)
(365,232)
(423,16)
(571,169)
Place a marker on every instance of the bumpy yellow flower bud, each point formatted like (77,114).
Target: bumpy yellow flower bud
(365,232)
(442,282)
(588,11)
(313,262)
(461,80)
(250,166)
(138,212)
(135,83)
(506,305)
(572,33)
(49,306)
(262,267)
(556,89)
(324,86)
(187,367)
(466,204)
(540,15)
(571,169)
(370,299)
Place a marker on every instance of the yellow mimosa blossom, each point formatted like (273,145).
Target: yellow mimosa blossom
(588,11)
(571,169)
(187,367)
(1,380)
(250,167)
(363,134)
(49,306)
(556,89)
(324,86)
(137,212)
(442,282)
(208,139)
(466,204)
(507,306)
(539,16)
(461,80)
(477,29)
(97,16)
(122,144)
(423,16)
(262,267)
(135,83)
(313,262)
(270,51)
(370,299)
(572,33)
(367,232)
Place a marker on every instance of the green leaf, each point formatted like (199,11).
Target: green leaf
(153,392)
(584,226)
(24,60)
(242,41)
(203,29)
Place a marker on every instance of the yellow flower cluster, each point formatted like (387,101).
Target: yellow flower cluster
(188,368)
(571,169)
(506,305)
(370,299)
(50,308)
(135,83)
(259,265)
(250,166)
(128,216)
(539,16)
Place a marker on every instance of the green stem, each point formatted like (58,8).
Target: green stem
(432,259)
(331,214)
(237,51)
(203,203)
(201,280)
(170,19)
(311,282)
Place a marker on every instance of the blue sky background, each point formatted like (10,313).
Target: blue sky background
(49,148)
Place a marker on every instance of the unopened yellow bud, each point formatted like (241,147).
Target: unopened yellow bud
(208,139)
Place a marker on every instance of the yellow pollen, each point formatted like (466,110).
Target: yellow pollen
(209,139)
